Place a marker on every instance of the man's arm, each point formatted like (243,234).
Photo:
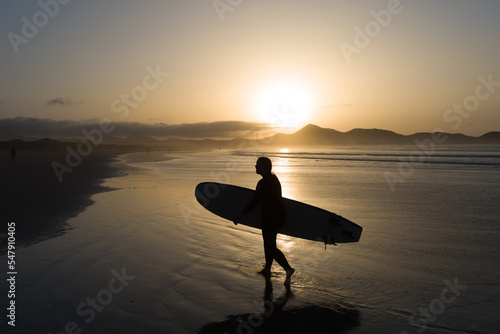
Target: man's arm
(250,206)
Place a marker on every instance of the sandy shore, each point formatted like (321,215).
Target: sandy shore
(39,204)
(147,257)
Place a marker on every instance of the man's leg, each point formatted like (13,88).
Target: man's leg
(269,246)
(271,251)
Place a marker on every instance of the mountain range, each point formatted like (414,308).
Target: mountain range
(309,136)
(313,135)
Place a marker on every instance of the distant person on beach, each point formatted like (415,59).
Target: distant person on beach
(13,153)
(268,192)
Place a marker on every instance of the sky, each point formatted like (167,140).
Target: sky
(406,66)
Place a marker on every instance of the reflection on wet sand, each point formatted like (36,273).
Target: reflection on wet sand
(273,317)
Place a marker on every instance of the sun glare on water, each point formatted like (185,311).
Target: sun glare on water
(284,104)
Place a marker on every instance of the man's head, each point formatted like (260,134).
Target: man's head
(263,166)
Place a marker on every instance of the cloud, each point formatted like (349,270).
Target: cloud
(36,127)
(59,101)
(200,130)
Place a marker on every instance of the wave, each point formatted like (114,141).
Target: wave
(453,157)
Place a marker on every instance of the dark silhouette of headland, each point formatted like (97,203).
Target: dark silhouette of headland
(309,136)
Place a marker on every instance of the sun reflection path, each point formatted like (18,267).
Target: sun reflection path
(285,171)
(285,243)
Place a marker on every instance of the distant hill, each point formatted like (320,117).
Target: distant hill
(137,138)
(6,135)
(372,137)
(309,136)
(490,137)
(40,144)
(313,135)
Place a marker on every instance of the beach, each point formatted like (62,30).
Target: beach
(144,256)
(33,195)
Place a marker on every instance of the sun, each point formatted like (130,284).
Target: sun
(284,104)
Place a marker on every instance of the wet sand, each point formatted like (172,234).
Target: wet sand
(147,257)
(39,204)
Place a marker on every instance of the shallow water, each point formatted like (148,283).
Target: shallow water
(428,258)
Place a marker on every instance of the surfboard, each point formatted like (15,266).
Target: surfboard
(302,220)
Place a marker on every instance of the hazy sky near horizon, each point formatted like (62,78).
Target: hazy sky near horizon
(406,66)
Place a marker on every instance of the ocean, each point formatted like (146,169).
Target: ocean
(427,261)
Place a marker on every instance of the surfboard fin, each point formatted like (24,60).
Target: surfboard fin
(329,240)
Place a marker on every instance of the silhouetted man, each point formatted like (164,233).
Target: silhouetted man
(268,192)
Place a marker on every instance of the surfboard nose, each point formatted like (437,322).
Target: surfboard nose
(199,194)
(207,191)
